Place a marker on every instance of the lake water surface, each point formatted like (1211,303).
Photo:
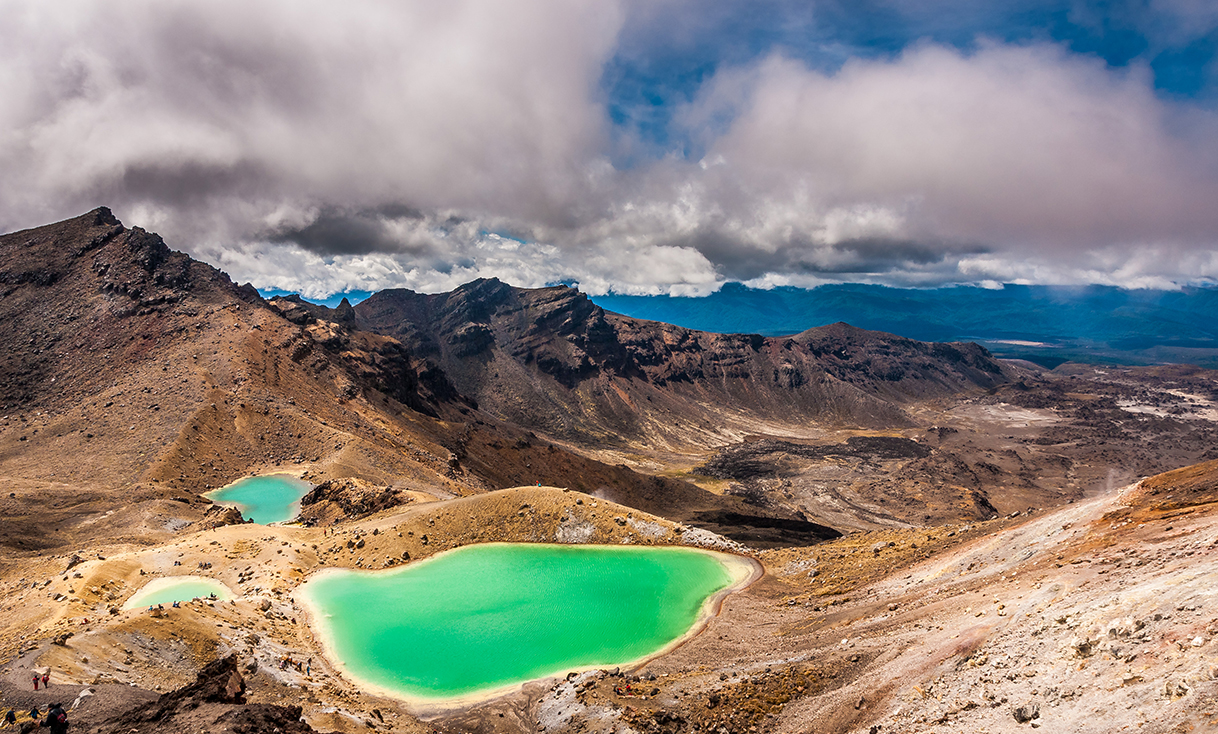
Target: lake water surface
(265,499)
(176,588)
(490,616)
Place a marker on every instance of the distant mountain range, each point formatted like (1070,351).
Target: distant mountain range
(1045,324)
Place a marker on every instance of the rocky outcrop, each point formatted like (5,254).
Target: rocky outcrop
(301,312)
(348,498)
(217,516)
(215,702)
(376,362)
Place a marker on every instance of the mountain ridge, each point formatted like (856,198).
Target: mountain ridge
(573,369)
(164,379)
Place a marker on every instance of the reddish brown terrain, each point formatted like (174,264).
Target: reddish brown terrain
(950,542)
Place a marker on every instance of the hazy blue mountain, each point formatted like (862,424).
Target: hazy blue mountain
(1060,323)
(353,297)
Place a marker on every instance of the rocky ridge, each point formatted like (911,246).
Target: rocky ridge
(550,359)
(163,379)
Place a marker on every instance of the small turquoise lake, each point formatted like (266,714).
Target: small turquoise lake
(487,617)
(176,588)
(265,499)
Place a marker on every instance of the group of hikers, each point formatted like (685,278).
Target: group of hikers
(287,662)
(178,604)
(56,720)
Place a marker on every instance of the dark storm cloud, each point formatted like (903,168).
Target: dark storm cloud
(334,232)
(867,257)
(188,184)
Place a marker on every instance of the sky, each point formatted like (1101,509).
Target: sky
(659,147)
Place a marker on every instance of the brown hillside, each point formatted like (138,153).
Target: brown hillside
(1187,487)
(134,379)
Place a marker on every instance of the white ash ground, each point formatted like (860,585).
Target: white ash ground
(1123,638)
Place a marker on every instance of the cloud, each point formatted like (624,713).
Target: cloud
(325,147)
(1024,150)
(248,107)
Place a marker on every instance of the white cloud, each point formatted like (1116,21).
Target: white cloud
(1021,146)
(1016,151)
(323,147)
(251,107)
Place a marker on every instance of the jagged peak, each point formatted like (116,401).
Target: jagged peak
(483,288)
(102,216)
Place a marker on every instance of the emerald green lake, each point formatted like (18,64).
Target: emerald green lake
(176,588)
(266,499)
(485,617)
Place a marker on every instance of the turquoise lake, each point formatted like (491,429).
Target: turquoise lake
(484,617)
(265,499)
(176,588)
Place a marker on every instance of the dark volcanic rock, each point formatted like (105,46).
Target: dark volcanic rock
(377,362)
(338,499)
(764,532)
(215,702)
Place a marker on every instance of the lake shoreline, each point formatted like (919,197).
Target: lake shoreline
(164,583)
(741,572)
(249,509)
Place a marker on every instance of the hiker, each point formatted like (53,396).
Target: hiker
(10,718)
(46,679)
(36,679)
(57,719)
